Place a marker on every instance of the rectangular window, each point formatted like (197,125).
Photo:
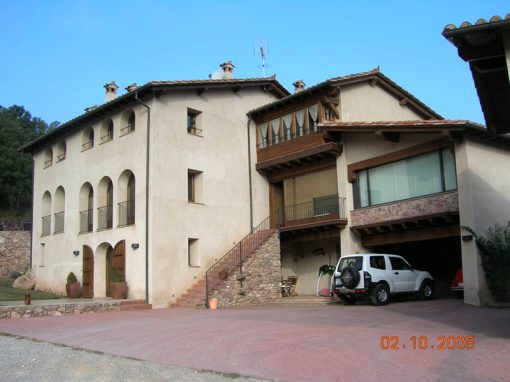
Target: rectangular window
(275,131)
(377,262)
(193,253)
(421,175)
(195,186)
(263,141)
(193,122)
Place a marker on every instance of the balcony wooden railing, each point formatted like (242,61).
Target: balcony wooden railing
(105,217)
(86,221)
(318,210)
(59,222)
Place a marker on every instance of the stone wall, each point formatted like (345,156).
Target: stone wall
(26,311)
(422,206)
(261,284)
(14,252)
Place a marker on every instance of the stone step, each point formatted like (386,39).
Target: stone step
(135,307)
(131,302)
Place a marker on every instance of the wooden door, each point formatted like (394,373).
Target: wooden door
(109,257)
(88,272)
(119,259)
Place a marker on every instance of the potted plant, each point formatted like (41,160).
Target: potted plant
(118,286)
(73,289)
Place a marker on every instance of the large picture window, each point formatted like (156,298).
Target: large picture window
(421,175)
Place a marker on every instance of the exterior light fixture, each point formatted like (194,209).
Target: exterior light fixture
(76,253)
(467,237)
(135,245)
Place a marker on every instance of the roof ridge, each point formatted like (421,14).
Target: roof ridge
(481,21)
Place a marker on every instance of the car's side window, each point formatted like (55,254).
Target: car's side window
(398,264)
(377,262)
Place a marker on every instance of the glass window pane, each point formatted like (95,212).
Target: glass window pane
(363,188)
(424,175)
(450,174)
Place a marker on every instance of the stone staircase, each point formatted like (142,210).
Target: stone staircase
(195,296)
(134,305)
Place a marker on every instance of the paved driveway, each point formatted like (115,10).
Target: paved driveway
(296,343)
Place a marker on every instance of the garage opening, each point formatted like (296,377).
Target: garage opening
(441,257)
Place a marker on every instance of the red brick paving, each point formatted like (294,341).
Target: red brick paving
(296,343)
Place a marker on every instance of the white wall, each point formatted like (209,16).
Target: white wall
(483,178)
(221,218)
(107,159)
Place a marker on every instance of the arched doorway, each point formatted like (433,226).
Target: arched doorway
(88,272)
(118,261)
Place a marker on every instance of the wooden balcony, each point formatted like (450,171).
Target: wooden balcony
(309,150)
(423,218)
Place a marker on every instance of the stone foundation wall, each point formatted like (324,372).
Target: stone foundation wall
(261,285)
(26,311)
(426,205)
(14,252)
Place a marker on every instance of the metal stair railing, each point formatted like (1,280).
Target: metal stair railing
(235,257)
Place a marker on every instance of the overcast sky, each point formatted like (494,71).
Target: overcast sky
(57,55)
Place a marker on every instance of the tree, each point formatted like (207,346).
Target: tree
(17,128)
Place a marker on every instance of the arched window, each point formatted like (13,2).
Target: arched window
(48,157)
(107,131)
(131,122)
(128,121)
(86,208)
(105,209)
(46,214)
(126,195)
(87,140)
(61,151)
(59,210)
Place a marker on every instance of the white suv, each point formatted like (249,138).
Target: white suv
(377,276)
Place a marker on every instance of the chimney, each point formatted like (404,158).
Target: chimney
(90,108)
(131,87)
(298,86)
(111,91)
(228,69)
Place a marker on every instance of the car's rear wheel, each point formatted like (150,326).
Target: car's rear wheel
(426,291)
(380,294)
(349,277)
(347,300)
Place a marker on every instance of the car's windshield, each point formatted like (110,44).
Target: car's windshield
(353,261)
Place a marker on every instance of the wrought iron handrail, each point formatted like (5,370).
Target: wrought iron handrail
(235,257)
(126,213)
(105,217)
(87,145)
(46,225)
(48,163)
(333,205)
(86,221)
(59,222)
(127,129)
(107,137)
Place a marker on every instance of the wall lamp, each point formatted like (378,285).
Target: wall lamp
(467,237)
(76,253)
(135,245)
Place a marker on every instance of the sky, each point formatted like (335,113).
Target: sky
(57,55)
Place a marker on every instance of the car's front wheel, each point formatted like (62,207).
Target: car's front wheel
(380,294)
(426,291)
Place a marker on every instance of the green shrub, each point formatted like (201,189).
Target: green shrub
(117,275)
(494,249)
(71,278)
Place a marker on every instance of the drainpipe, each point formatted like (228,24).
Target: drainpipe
(249,175)
(146,198)
(33,199)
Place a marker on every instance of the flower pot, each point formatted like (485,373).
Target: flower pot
(118,289)
(73,290)
(213,303)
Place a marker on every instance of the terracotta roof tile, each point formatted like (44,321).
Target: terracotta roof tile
(480,22)
(413,123)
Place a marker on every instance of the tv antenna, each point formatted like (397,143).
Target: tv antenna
(261,49)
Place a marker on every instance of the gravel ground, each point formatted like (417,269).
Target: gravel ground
(27,360)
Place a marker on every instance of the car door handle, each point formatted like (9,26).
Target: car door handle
(396,273)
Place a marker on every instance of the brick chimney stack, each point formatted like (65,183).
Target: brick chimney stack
(299,85)
(228,70)
(111,91)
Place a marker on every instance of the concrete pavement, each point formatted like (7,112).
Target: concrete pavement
(296,343)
